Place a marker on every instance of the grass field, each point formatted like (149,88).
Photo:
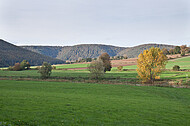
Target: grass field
(66,66)
(77,75)
(183,62)
(183,59)
(74,103)
(58,103)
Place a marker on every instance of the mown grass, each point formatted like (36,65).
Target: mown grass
(183,62)
(58,103)
(173,75)
(183,59)
(66,66)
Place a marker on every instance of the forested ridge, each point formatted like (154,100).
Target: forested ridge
(11,54)
(133,52)
(91,50)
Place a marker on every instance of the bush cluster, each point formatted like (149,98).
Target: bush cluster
(20,66)
(176,68)
(45,70)
(120,68)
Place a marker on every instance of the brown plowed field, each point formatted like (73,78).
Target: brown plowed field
(124,62)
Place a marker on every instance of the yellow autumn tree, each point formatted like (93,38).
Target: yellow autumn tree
(150,64)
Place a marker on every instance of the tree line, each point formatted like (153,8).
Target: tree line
(183,49)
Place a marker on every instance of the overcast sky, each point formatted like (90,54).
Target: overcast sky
(112,22)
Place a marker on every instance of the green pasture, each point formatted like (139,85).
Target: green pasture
(69,74)
(84,74)
(62,103)
(66,66)
(184,63)
(183,59)
(113,76)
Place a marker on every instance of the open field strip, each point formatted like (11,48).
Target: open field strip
(66,66)
(183,62)
(65,103)
(129,75)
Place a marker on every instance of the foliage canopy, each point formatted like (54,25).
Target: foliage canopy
(106,61)
(150,63)
(45,70)
(96,69)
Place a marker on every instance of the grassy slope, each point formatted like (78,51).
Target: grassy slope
(58,103)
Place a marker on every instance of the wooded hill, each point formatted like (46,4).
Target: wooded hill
(91,50)
(133,52)
(11,54)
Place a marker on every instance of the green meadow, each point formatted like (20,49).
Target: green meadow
(131,73)
(77,102)
(184,63)
(66,66)
(67,103)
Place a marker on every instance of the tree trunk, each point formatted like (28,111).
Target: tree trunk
(151,79)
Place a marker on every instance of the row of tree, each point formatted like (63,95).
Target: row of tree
(24,65)
(81,60)
(119,57)
(177,50)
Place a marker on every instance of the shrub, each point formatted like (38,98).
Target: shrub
(176,68)
(182,53)
(17,67)
(28,65)
(23,65)
(37,68)
(54,67)
(10,68)
(20,66)
(120,68)
(96,69)
(125,56)
(106,61)
(45,70)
